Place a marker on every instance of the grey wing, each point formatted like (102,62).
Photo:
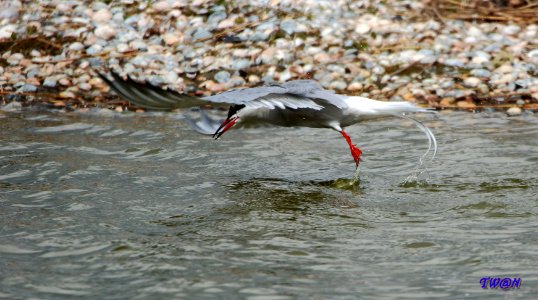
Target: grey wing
(312,90)
(292,94)
(151,97)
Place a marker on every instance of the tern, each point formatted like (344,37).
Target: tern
(296,103)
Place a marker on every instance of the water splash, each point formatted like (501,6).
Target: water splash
(355,180)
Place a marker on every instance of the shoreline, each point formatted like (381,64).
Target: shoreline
(376,50)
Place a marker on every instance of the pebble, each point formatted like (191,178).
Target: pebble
(27,88)
(471,82)
(105,32)
(172,38)
(102,16)
(12,106)
(465,105)
(338,85)
(161,6)
(222,77)
(355,87)
(50,82)
(7,31)
(85,86)
(514,111)
(253,78)
(480,73)
(341,48)
(65,81)
(362,28)
(504,69)
(76,46)
(447,102)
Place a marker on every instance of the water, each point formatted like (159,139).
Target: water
(141,207)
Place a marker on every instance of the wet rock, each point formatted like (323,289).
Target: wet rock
(514,111)
(12,106)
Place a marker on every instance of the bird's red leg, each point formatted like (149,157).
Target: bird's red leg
(356,152)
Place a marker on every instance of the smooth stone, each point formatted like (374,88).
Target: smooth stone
(222,77)
(94,49)
(105,32)
(465,104)
(253,78)
(15,59)
(288,26)
(172,38)
(362,28)
(480,73)
(161,6)
(472,82)
(238,64)
(85,86)
(504,69)
(76,46)
(483,88)
(510,29)
(355,87)
(514,111)
(12,106)
(122,48)
(7,31)
(201,33)
(454,63)
(102,16)
(27,88)
(338,85)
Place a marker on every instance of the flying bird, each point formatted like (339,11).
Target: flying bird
(297,103)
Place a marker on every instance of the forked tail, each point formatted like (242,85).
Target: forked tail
(432,142)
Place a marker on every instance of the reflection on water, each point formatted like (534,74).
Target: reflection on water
(136,206)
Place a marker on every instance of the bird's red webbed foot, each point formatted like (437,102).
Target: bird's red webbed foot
(355,151)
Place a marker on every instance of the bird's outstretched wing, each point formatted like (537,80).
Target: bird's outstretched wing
(150,96)
(292,94)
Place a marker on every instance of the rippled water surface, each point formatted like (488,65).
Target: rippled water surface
(139,206)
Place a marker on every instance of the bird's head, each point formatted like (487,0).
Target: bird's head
(231,120)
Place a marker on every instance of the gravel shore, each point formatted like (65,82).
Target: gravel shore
(387,50)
